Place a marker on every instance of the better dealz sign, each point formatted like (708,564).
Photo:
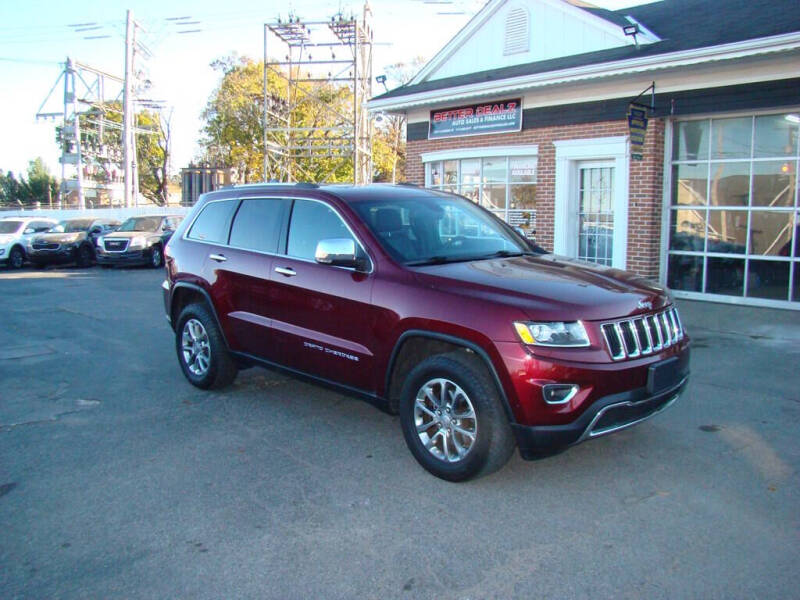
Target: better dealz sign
(477,119)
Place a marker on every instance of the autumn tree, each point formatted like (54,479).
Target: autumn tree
(389,139)
(233,134)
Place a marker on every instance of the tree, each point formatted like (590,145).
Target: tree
(39,187)
(233,134)
(389,140)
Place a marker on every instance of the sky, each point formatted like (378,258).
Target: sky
(36,37)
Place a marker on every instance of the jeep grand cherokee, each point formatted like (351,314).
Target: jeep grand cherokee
(428,305)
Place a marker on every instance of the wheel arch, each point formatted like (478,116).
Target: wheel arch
(183,294)
(415,344)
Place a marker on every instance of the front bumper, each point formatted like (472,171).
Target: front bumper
(49,257)
(129,257)
(607,415)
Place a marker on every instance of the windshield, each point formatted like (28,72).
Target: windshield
(9,226)
(438,229)
(141,224)
(72,226)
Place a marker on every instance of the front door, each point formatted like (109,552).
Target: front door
(595,212)
(322,316)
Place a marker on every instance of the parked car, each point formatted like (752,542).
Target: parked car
(69,241)
(138,241)
(428,305)
(15,235)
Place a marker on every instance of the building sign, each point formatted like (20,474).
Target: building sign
(477,119)
(637,127)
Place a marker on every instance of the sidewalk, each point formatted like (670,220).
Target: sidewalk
(768,323)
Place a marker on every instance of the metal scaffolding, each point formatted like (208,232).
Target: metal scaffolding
(337,52)
(94,164)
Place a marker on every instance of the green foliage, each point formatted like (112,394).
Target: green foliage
(233,135)
(22,192)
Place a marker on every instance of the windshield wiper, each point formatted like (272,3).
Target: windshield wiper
(507,254)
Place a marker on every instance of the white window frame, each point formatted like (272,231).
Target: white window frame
(569,155)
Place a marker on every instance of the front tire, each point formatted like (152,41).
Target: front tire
(16,258)
(156,257)
(85,256)
(452,418)
(202,353)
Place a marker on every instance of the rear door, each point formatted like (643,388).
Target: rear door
(254,238)
(322,315)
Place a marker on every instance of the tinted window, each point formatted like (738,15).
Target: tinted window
(9,226)
(257,223)
(211,224)
(312,222)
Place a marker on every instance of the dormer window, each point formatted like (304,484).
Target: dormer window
(517,31)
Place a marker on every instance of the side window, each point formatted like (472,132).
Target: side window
(212,223)
(312,222)
(257,224)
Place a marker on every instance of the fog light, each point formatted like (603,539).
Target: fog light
(559,393)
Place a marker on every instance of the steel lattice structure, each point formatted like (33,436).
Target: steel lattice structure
(338,52)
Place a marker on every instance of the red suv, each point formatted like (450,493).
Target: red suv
(429,306)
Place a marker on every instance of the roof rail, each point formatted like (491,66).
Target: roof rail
(408,183)
(299,184)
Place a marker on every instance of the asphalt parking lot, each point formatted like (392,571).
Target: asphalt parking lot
(120,480)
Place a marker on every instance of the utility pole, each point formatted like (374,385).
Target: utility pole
(128,154)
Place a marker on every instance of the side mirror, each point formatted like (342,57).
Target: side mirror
(95,230)
(338,252)
(29,230)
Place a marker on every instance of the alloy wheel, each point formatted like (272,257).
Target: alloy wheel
(195,347)
(445,420)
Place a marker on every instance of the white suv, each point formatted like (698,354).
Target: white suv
(15,235)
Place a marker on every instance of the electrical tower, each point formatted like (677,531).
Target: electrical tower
(336,52)
(89,149)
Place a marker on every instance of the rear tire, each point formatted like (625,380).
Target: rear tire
(202,352)
(16,258)
(452,418)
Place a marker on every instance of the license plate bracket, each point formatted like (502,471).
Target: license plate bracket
(664,375)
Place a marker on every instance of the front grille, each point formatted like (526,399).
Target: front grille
(116,245)
(46,246)
(643,335)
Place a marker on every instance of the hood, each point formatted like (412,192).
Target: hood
(550,287)
(61,238)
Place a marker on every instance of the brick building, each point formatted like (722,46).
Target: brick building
(534,110)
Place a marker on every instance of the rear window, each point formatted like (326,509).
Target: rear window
(212,224)
(257,224)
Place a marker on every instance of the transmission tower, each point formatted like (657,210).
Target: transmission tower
(90,164)
(337,52)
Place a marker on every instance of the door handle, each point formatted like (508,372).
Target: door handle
(289,272)
(217,257)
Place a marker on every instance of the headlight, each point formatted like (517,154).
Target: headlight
(562,334)
(138,242)
(99,242)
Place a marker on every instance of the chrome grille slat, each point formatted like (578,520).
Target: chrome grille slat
(643,335)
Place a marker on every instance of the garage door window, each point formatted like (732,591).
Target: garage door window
(734,216)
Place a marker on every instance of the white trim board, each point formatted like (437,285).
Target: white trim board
(772,44)
(569,153)
(486,151)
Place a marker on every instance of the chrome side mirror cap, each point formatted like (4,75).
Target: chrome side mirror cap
(339,252)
